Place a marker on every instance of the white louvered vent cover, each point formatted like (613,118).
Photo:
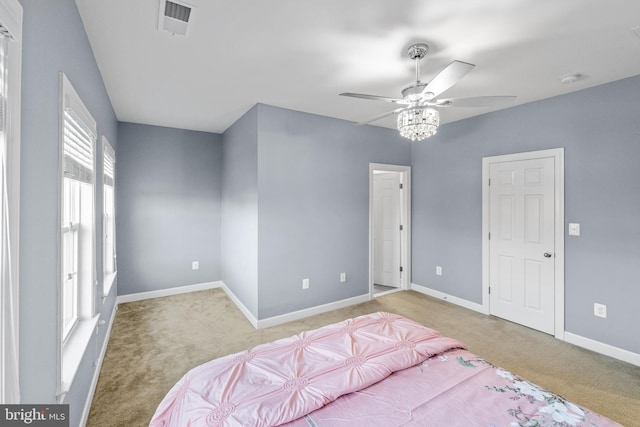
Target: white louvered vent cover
(175,17)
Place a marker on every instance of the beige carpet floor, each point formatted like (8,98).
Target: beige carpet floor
(155,342)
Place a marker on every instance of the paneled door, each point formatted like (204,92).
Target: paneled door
(521,242)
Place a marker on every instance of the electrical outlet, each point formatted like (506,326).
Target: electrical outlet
(195,265)
(600,310)
(343,277)
(305,283)
(438,270)
(574,229)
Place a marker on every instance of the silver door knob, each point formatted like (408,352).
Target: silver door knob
(547,255)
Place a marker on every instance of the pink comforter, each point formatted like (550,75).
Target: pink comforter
(275,383)
(454,388)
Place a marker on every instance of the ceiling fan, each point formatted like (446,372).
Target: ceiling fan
(418,118)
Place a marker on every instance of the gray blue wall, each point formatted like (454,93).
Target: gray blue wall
(600,131)
(168,207)
(313,213)
(54,41)
(283,193)
(240,210)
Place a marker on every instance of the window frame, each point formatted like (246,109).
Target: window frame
(73,343)
(109,277)
(11,22)
(70,231)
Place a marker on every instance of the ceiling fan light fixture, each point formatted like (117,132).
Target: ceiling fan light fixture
(418,123)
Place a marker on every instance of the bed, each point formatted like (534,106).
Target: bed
(380,369)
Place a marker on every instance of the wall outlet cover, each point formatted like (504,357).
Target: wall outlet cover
(600,310)
(574,229)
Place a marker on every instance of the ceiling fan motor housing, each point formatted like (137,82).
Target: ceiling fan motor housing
(414,92)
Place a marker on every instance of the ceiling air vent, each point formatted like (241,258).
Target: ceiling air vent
(174,17)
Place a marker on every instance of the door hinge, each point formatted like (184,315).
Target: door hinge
(401,186)
(489,290)
(489,235)
(401,227)
(401,269)
(489,182)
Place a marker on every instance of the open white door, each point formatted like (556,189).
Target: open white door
(387,229)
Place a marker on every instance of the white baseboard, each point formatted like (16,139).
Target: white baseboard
(98,368)
(243,309)
(449,298)
(602,348)
(580,341)
(168,292)
(258,324)
(311,311)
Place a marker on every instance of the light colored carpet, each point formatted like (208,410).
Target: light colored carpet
(155,342)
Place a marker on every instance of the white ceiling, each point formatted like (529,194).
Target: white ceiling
(300,54)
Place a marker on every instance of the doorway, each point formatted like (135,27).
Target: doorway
(523,239)
(389,228)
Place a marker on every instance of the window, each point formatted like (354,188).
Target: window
(77,229)
(10,74)
(109,216)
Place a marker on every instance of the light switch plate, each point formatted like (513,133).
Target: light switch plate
(574,229)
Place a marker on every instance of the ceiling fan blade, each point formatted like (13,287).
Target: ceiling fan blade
(374,97)
(477,101)
(381,116)
(446,78)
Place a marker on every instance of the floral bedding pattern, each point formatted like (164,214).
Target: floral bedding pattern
(556,412)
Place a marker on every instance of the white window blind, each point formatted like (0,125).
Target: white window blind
(109,164)
(78,147)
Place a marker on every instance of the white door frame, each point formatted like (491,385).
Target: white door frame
(558,155)
(405,259)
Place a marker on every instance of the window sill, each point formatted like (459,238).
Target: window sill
(108,280)
(72,353)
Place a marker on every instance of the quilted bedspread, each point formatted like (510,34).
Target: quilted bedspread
(454,388)
(278,382)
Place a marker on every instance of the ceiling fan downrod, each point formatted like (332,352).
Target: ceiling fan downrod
(417,52)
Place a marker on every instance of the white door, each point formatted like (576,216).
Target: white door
(521,242)
(387,233)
